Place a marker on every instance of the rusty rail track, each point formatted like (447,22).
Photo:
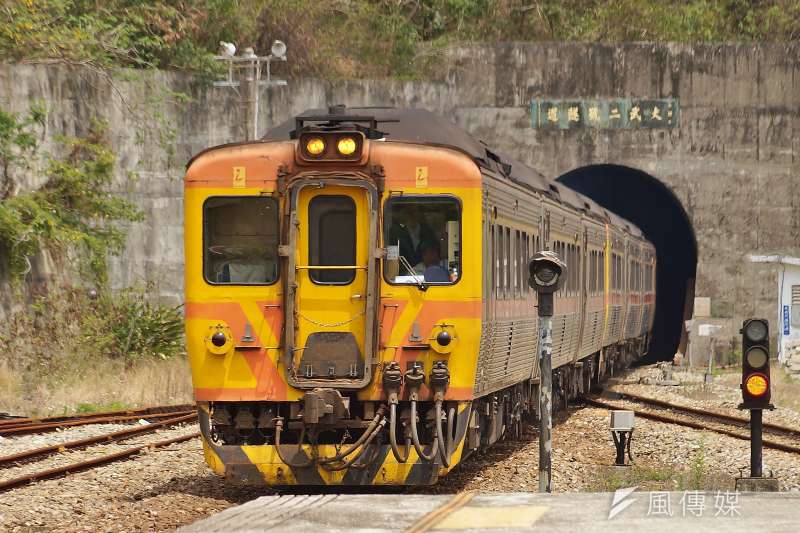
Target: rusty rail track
(116,436)
(89,463)
(743,421)
(44,425)
(697,425)
(103,414)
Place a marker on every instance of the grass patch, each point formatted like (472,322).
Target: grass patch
(611,478)
(696,475)
(88,408)
(72,347)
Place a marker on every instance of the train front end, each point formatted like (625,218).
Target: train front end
(333,305)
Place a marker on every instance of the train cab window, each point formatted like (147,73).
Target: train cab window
(332,238)
(240,240)
(422,235)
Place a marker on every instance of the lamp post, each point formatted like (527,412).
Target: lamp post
(546,275)
(247,69)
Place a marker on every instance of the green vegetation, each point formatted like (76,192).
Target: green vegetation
(73,346)
(364,38)
(694,476)
(66,343)
(88,408)
(72,211)
(609,478)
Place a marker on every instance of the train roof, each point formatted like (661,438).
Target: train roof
(422,126)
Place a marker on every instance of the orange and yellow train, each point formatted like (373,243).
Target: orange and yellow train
(357,305)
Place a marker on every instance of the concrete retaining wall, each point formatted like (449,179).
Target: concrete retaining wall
(733,162)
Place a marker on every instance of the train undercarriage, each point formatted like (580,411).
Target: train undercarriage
(330,438)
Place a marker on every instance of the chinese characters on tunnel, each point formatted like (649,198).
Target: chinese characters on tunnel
(604,114)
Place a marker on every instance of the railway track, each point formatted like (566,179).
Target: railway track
(24,426)
(654,409)
(165,420)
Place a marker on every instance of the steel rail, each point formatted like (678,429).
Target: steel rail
(26,429)
(695,425)
(122,412)
(115,436)
(89,463)
(701,412)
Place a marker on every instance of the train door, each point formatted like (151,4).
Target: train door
(333,231)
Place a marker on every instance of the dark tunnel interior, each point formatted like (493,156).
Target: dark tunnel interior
(648,203)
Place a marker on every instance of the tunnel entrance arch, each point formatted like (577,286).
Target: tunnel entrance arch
(654,208)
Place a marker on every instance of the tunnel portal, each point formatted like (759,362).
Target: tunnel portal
(653,207)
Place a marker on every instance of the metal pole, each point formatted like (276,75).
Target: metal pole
(250,102)
(545,399)
(756,428)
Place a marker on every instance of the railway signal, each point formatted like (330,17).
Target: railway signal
(755,364)
(547,272)
(755,397)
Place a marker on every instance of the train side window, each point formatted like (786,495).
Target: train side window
(501,266)
(523,262)
(493,260)
(507,259)
(517,263)
(602,271)
(422,234)
(240,240)
(512,257)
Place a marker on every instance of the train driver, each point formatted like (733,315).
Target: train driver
(431,264)
(411,234)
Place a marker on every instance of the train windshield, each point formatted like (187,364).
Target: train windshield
(240,237)
(422,235)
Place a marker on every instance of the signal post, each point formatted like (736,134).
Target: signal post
(546,272)
(756,391)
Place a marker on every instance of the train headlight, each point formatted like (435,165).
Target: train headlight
(315,146)
(346,146)
(756,385)
(331,147)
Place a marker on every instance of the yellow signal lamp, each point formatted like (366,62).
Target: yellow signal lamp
(346,146)
(315,146)
(756,385)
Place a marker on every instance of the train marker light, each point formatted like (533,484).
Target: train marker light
(315,146)
(346,146)
(218,339)
(443,338)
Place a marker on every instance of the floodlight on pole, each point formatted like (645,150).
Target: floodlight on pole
(246,70)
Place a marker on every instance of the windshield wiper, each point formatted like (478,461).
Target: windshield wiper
(420,280)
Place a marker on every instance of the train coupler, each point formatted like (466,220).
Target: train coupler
(325,406)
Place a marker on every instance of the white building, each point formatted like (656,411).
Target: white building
(788,309)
